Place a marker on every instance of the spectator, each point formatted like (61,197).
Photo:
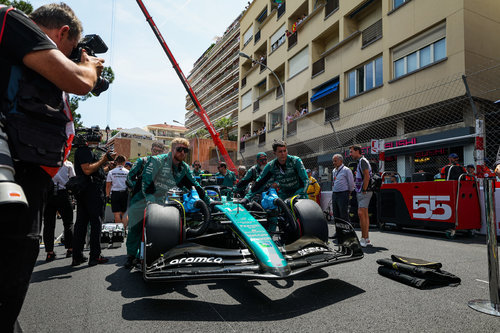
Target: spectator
(116,190)
(296,114)
(59,201)
(363,193)
(343,185)
(456,169)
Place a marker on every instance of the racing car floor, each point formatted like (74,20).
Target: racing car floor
(344,298)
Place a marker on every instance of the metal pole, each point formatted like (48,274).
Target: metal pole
(491,306)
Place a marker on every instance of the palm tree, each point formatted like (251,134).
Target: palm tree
(224,124)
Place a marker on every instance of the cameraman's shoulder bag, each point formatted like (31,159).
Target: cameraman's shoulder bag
(78,184)
(33,115)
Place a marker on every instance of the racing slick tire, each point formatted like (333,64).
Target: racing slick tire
(310,219)
(163,230)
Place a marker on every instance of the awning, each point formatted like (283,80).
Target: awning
(325,91)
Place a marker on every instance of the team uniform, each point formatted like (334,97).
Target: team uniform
(119,194)
(250,176)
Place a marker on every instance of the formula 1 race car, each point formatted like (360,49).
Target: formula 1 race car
(274,239)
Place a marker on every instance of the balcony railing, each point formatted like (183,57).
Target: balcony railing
(331,6)
(281,9)
(255,105)
(332,112)
(291,128)
(262,139)
(292,40)
(318,67)
(372,33)
(257,37)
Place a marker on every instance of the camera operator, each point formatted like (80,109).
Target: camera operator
(36,49)
(90,202)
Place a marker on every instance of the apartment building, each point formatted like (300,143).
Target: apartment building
(165,133)
(214,79)
(351,70)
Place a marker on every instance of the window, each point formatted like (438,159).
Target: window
(299,62)
(246,99)
(247,37)
(420,58)
(365,78)
(278,38)
(397,3)
(420,51)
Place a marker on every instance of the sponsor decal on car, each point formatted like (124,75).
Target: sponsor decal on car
(195,260)
(342,225)
(310,250)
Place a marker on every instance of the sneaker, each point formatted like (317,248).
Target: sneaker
(51,256)
(79,260)
(368,243)
(130,262)
(98,261)
(69,253)
(362,242)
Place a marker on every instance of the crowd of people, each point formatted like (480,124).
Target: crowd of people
(255,133)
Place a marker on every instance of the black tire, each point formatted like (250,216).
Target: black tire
(310,219)
(163,230)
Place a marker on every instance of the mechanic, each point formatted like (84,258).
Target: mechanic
(286,172)
(136,215)
(59,201)
(197,171)
(251,175)
(161,173)
(116,190)
(90,203)
(229,179)
(363,193)
(313,190)
(40,47)
(456,168)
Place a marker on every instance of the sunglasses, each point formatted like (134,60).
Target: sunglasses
(197,165)
(182,149)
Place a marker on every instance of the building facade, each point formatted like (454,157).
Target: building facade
(165,133)
(358,70)
(132,143)
(214,79)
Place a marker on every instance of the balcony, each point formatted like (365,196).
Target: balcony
(279,93)
(281,10)
(332,112)
(318,67)
(262,139)
(371,34)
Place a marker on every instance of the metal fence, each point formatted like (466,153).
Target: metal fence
(420,127)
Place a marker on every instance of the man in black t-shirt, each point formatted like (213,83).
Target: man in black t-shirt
(90,204)
(41,48)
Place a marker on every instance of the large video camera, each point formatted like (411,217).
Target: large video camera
(93,44)
(85,135)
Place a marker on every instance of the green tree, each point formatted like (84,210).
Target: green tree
(225,125)
(24,6)
(201,132)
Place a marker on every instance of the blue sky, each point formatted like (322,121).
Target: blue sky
(146,89)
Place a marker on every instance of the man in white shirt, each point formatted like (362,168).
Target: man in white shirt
(58,200)
(116,189)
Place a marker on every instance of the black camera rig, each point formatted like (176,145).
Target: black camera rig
(92,44)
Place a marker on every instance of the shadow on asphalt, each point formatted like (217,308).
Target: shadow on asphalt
(440,236)
(253,305)
(374,249)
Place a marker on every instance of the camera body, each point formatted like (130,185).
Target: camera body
(85,135)
(92,44)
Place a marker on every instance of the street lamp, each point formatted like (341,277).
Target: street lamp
(195,134)
(107,133)
(244,55)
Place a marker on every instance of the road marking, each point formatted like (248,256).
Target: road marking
(482,281)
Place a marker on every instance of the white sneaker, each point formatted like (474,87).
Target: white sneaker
(368,243)
(362,241)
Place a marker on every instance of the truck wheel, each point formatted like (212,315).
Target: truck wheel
(163,230)
(310,219)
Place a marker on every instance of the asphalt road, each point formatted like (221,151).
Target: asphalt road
(350,297)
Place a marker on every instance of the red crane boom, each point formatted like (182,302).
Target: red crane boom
(200,110)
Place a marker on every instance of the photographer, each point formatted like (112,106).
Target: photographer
(90,202)
(34,51)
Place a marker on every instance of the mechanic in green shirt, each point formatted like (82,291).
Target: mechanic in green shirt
(252,174)
(229,179)
(286,172)
(197,171)
(161,173)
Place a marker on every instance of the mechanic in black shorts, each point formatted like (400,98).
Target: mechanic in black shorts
(39,45)
(116,189)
